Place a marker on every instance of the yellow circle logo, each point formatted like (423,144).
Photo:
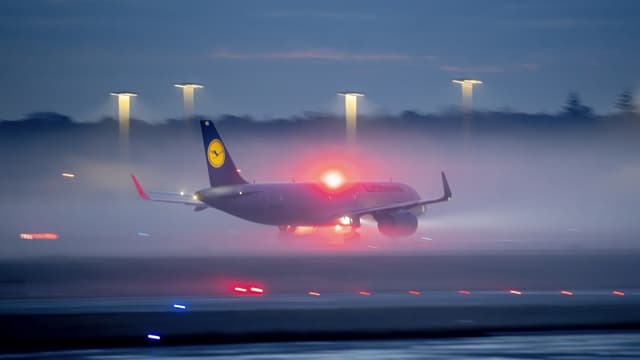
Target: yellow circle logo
(215,153)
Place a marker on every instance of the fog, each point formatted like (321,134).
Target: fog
(519,181)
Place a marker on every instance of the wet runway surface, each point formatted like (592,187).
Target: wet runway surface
(522,346)
(69,277)
(318,306)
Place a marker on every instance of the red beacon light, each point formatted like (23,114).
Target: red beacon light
(333,179)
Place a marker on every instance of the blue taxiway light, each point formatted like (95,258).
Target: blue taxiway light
(153,337)
(180,307)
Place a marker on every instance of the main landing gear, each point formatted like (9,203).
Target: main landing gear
(347,235)
(286,232)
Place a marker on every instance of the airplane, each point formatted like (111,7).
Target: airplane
(289,206)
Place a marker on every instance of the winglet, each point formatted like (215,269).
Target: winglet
(141,192)
(447,189)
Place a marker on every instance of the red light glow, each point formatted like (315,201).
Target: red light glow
(304,230)
(464,292)
(618,293)
(39,236)
(566,292)
(364,293)
(515,292)
(313,293)
(240,289)
(414,292)
(256,290)
(333,179)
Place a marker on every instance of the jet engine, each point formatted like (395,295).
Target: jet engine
(400,223)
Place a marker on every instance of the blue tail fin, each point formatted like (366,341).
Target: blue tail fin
(222,170)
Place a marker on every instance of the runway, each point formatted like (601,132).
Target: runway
(112,322)
(560,346)
(111,303)
(381,300)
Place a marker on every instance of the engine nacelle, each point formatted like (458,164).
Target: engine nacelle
(397,224)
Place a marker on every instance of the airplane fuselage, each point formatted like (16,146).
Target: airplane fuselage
(394,206)
(303,204)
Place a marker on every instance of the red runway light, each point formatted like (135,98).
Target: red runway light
(256,290)
(313,293)
(464,292)
(240,289)
(414,292)
(618,293)
(566,292)
(364,293)
(515,292)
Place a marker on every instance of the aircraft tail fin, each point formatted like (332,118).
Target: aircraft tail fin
(222,170)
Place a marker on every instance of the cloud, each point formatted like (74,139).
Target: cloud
(560,23)
(316,54)
(320,15)
(472,69)
(484,69)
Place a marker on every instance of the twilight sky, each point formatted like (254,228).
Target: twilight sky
(279,58)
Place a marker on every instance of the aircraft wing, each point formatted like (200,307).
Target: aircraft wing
(406,205)
(168,197)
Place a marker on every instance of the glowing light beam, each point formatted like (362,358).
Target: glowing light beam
(467,92)
(351,113)
(124,112)
(188,91)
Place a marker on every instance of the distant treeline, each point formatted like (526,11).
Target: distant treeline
(573,116)
(451,121)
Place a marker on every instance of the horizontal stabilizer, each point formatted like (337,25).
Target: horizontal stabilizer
(167,197)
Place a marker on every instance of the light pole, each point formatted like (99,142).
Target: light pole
(124,111)
(467,92)
(188,90)
(351,113)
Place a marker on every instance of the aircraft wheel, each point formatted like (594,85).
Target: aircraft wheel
(286,232)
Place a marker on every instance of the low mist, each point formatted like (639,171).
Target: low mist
(520,182)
